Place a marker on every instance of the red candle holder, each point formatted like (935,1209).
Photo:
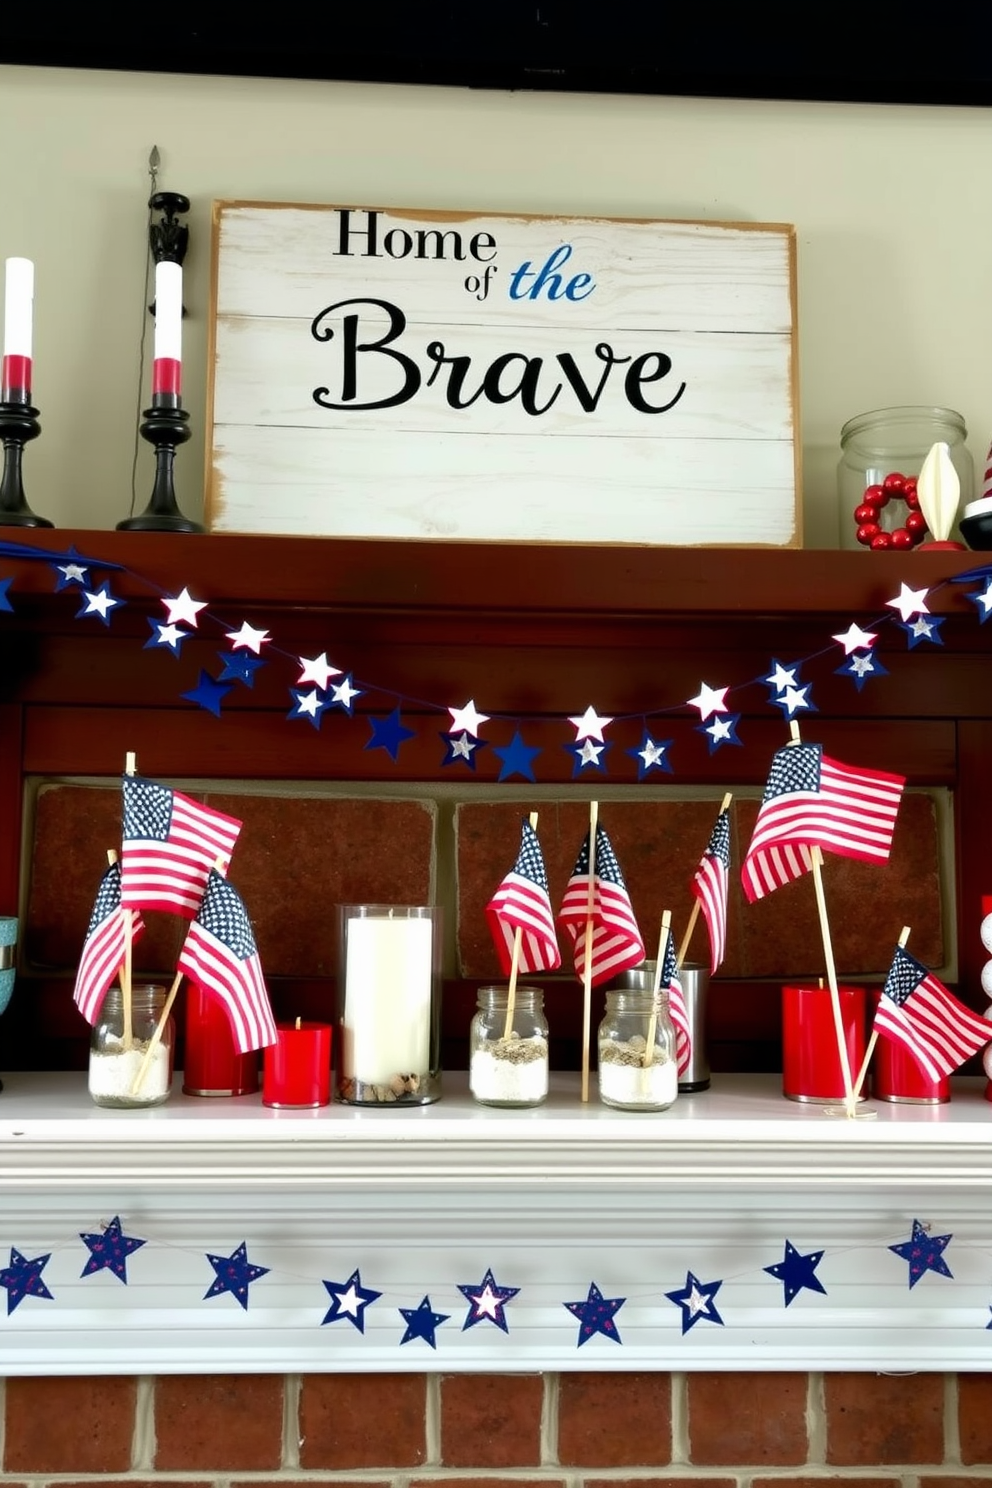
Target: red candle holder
(297,1068)
(212,1064)
(896,1076)
(811,1067)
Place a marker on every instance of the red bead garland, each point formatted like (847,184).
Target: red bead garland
(870,532)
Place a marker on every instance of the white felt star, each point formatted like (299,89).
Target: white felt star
(921,627)
(590,725)
(589,753)
(72,573)
(709,700)
(985,597)
(348,1301)
(462,747)
(697,1302)
(909,602)
(183,609)
(308,704)
(467,720)
(855,639)
(100,603)
(861,666)
(170,635)
(652,753)
(315,669)
(721,728)
(486,1302)
(343,692)
(782,677)
(794,698)
(247,638)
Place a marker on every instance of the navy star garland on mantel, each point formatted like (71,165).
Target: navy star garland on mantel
(108,1247)
(318,686)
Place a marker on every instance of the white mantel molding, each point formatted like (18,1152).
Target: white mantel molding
(423,1200)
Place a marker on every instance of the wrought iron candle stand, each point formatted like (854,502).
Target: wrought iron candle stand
(18,424)
(166,423)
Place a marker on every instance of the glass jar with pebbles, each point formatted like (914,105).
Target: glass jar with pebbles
(508,1048)
(129,1065)
(637,1068)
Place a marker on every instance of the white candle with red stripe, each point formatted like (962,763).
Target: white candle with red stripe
(168,363)
(18,308)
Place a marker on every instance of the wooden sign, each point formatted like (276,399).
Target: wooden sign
(431,375)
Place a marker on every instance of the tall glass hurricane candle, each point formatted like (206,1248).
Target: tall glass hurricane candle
(18,310)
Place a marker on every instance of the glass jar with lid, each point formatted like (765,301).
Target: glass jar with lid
(882,453)
(508,1055)
(137,1071)
(637,1065)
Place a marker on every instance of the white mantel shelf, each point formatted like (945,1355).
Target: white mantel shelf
(423,1200)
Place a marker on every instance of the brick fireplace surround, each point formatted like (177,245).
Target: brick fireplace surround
(69,707)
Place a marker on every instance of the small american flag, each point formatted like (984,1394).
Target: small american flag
(616,940)
(709,886)
(676,1005)
(917,1011)
(522,902)
(169,845)
(103,948)
(812,801)
(220,955)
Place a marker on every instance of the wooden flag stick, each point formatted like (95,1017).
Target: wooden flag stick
(130,766)
(587,964)
(156,1037)
(683,950)
(816,857)
(862,1072)
(511,991)
(666,923)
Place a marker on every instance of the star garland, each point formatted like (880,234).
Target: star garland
(318,686)
(489,1302)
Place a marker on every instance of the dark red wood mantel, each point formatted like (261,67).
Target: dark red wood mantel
(535,632)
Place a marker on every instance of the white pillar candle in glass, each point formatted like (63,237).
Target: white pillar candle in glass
(18,309)
(387,1011)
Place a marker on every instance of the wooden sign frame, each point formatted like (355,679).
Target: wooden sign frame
(399,373)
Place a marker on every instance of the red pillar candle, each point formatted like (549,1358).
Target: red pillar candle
(18,314)
(212,1065)
(297,1068)
(811,1067)
(896,1076)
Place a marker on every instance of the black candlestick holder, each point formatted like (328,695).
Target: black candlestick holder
(166,426)
(18,424)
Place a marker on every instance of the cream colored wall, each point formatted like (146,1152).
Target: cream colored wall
(891,206)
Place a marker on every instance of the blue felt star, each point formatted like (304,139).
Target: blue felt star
(389,733)
(349,1300)
(796,1271)
(589,754)
(794,700)
(861,665)
(166,635)
(309,703)
(486,1302)
(461,749)
(344,693)
(5,603)
(234,1274)
(98,602)
(596,1315)
(516,758)
(983,599)
(239,666)
(923,628)
(696,1301)
(69,573)
(421,1322)
(110,1249)
(208,694)
(22,1278)
(924,1253)
(651,754)
(722,730)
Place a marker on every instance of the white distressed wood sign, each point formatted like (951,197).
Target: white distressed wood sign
(395,373)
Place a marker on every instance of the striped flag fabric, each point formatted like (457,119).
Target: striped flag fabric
(522,902)
(103,948)
(917,1011)
(709,886)
(811,801)
(677,1010)
(616,940)
(220,955)
(169,845)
